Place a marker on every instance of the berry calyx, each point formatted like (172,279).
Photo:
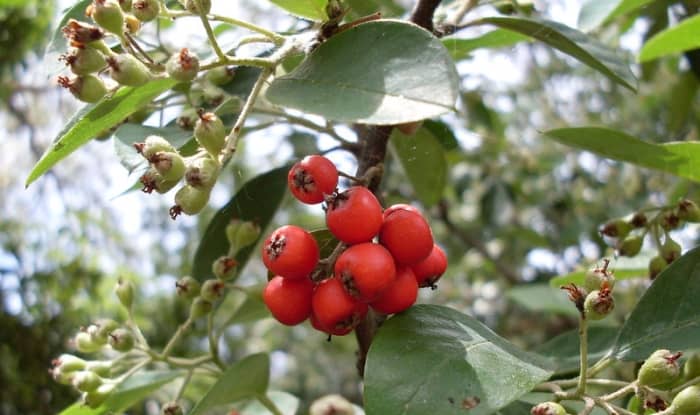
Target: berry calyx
(145,10)
(616,228)
(187,287)
(183,66)
(660,370)
(311,178)
(366,270)
(87,88)
(210,132)
(121,340)
(152,180)
(80,34)
(688,211)
(126,70)
(429,270)
(152,145)
(169,164)
(548,408)
(400,295)
(83,60)
(212,290)
(224,268)
(189,200)
(289,300)
(407,235)
(291,252)
(354,216)
(331,405)
(598,304)
(336,312)
(172,408)
(670,250)
(202,172)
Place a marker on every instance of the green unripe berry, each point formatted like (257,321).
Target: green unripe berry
(687,402)
(171,408)
(84,34)
(83,60)
(153,144)
(145,10)
(597,278)
(125,5)
(108,15)
(103,328)
(68,363)
(548,408)
(656,265)
(202,173)
(125,292)
(187,119)
(598,304)
(688,211)
(86,381)
(95,398)
(616,228)
(224,268)
(331,404)
(187,287)
(670,221)
(660,370)
(87,88)
(121,340)
(189,200)
(221,75)
(101,368)
(631,245)
(152,180)
(210,133)
(212,290)
(200,308)
(242,233)
(193,7)
(169,164)
(183,66)
(670,250)
(126,70)
(691,368)
(84,343)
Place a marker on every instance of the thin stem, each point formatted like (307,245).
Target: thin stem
(210,33)
(267,403)
(599,366)
(583,336)
(234,135)
(589,405)
(228,60)
(565,383)
(213,344)
(138,48)
(278,39)
(253,39)
(630,388)
(178,334)
(185,382)
(131,323)
(133,370)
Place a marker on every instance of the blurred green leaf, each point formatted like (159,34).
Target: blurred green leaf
(362,75)
(564,349)
(245,379)
(256,201)
(461,364)
(596,12)
(572,42)
(461,48)
(94,118)
(578,277)
(683,95)
(310,9)
(684,36)
(679,158)
(287,403)
(443,133)
(542,298)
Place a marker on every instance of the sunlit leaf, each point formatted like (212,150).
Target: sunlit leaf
(684,36)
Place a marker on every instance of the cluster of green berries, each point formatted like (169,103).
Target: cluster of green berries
(662,372)
(386,255)
(628,234)
(167,167)
(240,234)
(594,299)
(96,379)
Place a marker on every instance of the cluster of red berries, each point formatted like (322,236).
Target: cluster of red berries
(386,255)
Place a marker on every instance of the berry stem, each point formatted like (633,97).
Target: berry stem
(131,323)
(267,403)
(210,33)
(185,382)
(213,342)
(176,337)
(583,336)
(277,39)
(625,390)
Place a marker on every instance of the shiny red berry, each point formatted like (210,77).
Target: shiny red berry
(291,252)
(407,236)
(334,309)
(354,216)
(366,270)
(312,178)
(429,270)
(400,295)
(289,300)
(399,206)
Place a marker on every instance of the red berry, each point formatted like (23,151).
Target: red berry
(366,270)
(312,178)
(429,270)
(334,309)
(354,216)
(407,236)
(289,300)
(400,295)
(291,252)
(399,206)
(335,332)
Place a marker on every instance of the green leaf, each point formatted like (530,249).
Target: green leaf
(133,390)
(461,48)
(246,379)
(257,201)
(434,360)
(596,12)
(683,94)
(287,403)
(564,349)
(542,298)
(98,117)
(423,159)
(572,42)
(682,37)
(251,309)
(443,133)
(58,44)
(679,158)
(623,268)
(381,72)
(668,314)
(310,9)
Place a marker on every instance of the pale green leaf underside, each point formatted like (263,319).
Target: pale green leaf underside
(596,12)
(382,72)
(679,158)
(310,9)
(460,48)
(682,37)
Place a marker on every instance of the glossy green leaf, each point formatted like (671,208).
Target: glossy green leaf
(98,117)
(257,201)
(542,298)
(684,36)
(461,48)
(596,12)
(434,360)
(443,133)
(683,94)
(381,72)
(571,42)
(245,379)
(668,314)
(287,403)
(564,349)
(251,309)
(132,391)
(423,160)
(310,9)
(679,158)
(58,44)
